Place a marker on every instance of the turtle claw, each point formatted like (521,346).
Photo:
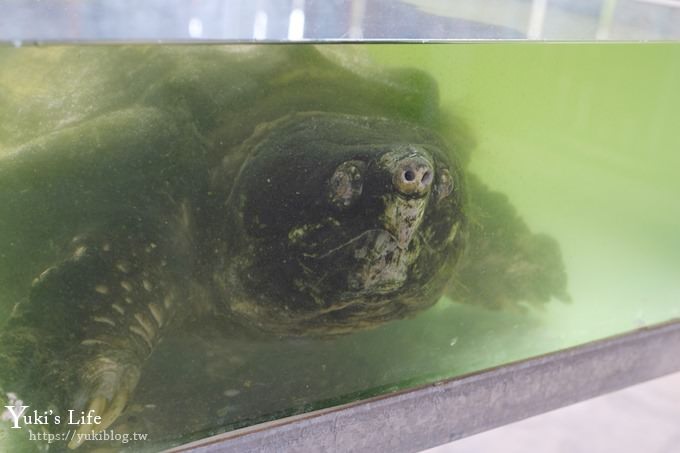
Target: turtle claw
(114,410)
(108,411)
(106,386)
(96,406)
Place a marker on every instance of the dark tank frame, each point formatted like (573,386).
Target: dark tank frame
(416,419)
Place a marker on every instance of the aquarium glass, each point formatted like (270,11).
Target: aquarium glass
(580,139)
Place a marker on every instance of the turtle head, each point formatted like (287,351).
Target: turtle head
(336,222)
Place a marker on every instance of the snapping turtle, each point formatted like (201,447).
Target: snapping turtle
(294,190)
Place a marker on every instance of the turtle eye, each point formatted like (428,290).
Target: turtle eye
(346,183)
(444,185)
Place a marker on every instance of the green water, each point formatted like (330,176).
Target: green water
(581,138)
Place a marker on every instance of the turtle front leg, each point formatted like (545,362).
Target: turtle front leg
(505,263)
(91,322)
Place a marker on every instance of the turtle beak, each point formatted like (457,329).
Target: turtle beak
(402,217)
(411,174)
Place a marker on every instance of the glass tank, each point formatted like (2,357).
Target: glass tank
(219,214)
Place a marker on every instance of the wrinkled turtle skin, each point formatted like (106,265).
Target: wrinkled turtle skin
(291,190)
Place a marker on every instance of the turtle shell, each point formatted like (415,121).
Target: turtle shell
(89,135)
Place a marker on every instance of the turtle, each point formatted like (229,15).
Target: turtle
(291,190)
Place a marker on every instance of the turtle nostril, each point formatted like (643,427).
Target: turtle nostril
(413,175)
